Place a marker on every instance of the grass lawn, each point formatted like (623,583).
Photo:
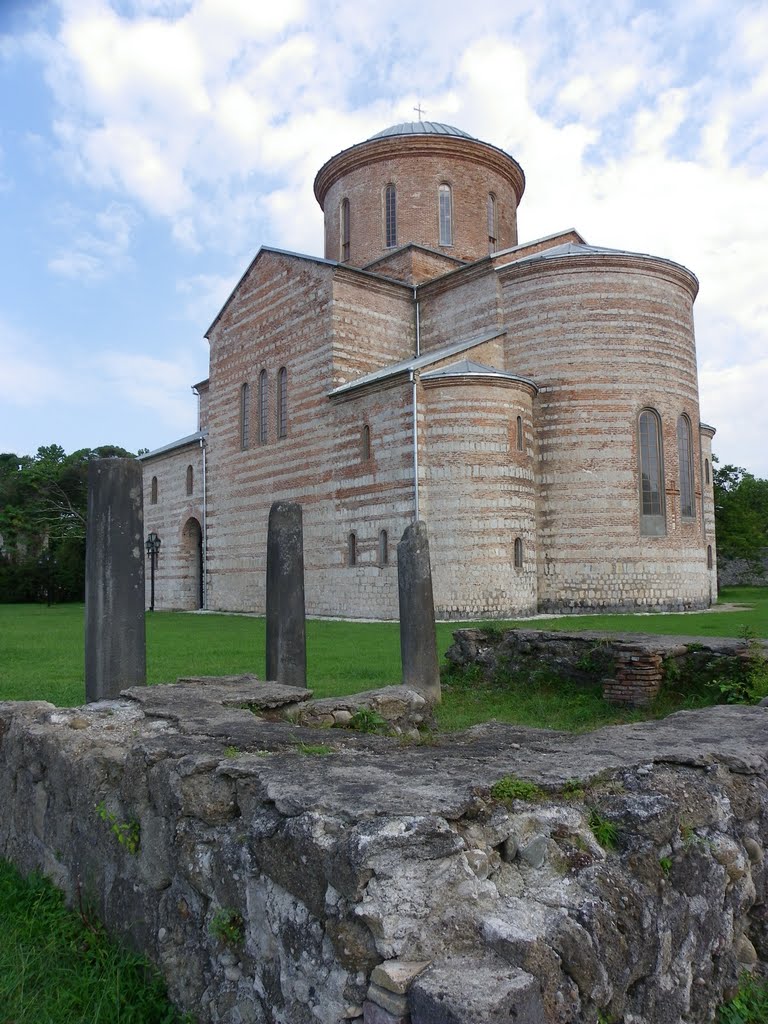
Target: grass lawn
(41,657)
(59,967)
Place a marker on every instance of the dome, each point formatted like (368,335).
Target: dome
(421,128)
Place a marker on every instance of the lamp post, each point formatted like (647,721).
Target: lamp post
(153,549)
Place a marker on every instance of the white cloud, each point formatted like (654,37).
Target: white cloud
(97,250)
(143,382)
(205,294)
(643,127)
(28,380)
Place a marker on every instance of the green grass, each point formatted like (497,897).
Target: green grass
(749,1005)
(41,657)
(753,616)
(58,967)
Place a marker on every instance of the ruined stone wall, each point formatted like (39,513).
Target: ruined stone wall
(398,883)
(605,337)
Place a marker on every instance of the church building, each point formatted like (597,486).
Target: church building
(535,403)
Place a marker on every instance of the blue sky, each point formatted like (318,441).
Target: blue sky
(149,147)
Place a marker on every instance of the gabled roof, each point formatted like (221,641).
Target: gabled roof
(415,363)
(270,249)
(199,435)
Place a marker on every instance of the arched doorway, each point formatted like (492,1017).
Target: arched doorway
(192,564)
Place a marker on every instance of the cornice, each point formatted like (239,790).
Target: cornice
(666,269)
(395,146)
(481,380)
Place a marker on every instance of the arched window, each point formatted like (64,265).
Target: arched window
(383,548)
(685,463)
(518,553)
(153,491)
(365,446)
(190,479)
(491,222)
(344,230)
(390,216)
(651,468)
(282,402)
(709,556)
(245,416)
(706,470)
(446,215)
(351,549)
(263,407)
(519,433)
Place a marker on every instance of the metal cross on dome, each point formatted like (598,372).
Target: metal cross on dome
(419,110)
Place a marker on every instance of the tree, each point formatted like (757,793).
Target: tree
(741,513)
(43,507)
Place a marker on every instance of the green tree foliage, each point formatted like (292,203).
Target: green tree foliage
(43,502)
(741,513)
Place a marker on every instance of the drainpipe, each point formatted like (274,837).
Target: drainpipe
(415,450)
(203,567)
(415,411)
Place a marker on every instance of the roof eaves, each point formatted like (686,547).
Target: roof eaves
(182,442)
(415,363)
(538,241)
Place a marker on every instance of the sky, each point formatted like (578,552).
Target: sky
(148,148)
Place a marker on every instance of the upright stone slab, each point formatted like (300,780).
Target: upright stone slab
(115,644)
(286,641)
(418,640)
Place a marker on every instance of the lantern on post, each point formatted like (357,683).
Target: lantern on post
(153,549)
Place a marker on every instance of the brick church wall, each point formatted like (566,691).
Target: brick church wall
(606,336)
(479,496)
(417,166)
(177,519)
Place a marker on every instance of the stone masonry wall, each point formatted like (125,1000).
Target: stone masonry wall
(177,519)
(417,166)
(392,883)
(605,337)
(480,496)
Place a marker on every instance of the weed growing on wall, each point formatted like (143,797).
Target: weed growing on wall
(127,833)
(605,832)
(512,788)
(368,720)
(227,926)
(749,1005)
(317,749)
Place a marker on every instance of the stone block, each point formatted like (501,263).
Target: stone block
(286,629)
(373,1014)
(465,989)
(396,1004)
(418,642)
(115,645)
(397,975)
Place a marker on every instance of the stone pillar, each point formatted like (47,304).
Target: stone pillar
(115,644)
(418,640)
(286,641)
